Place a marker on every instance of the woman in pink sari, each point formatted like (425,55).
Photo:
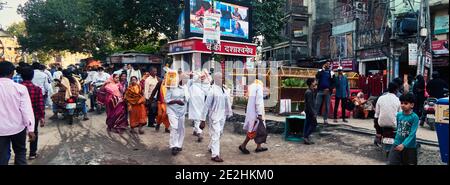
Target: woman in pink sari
(116,119)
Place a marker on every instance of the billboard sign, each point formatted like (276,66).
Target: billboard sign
(235,19)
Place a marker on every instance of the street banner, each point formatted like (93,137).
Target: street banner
(428,57)
(211,27)
(440,47)
(412,54)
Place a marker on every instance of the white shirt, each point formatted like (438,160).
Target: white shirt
(100,78)
(217,105)
(41,80)
(149,86)
(57,75)
(50,77)
(136,73)
(386,110)
(255,105)
(90,77)
(198,93)
(177,93)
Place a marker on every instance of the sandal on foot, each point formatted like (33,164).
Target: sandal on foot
(262,149)
(243,150)
(217,159)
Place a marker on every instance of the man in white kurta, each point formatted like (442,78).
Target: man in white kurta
(218,108)
(198,91)
(176,99)
(255,112)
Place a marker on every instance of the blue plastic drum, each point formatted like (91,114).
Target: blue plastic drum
(442,121)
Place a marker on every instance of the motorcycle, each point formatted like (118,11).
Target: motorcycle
(72,108)
(95,93)
(429,110)
(387,139)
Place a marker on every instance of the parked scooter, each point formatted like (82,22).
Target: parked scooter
(429,110)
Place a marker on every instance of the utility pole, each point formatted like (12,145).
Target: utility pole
(418,40)
(391,42)
(430,40)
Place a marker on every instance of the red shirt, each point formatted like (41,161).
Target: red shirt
(37,99)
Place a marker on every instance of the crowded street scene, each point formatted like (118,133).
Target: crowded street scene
(207,82)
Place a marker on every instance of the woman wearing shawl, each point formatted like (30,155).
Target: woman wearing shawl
(136,105)
(115,106)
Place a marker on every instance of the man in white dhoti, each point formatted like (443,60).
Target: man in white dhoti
(254,113)
(176,99)
(198,91)
(218,108)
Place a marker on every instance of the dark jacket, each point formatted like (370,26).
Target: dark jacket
(435,88)
(342,87)
(310,102)
(320,81)
(156,90)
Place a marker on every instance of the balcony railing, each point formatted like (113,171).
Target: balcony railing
(296,9)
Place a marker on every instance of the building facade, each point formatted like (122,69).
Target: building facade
(9,48)
(440,34)
(295,44)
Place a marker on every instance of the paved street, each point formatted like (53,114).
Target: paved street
(88,143)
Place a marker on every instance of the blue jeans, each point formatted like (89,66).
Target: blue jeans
(84,107)
(321,96)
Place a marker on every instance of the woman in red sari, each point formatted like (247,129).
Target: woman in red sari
(136,105)
(115,106)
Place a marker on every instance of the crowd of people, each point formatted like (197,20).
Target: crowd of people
(132,101)
(399,110)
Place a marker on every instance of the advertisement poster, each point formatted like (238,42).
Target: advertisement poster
(412,54)
(234,19)
(211,28)
(441,24)
(172,79)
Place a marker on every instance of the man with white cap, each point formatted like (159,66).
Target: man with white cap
(198,90)
(342,93)
(254,114)
(218,108)
(176,99)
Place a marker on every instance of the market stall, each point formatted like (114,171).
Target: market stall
(284,88)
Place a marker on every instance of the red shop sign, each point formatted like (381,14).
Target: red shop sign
(347,65)
(439,47)
(225,48)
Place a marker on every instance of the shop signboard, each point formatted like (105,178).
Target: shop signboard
(440,47)
(441,24)
(347,65)
(224,48)
(412,54)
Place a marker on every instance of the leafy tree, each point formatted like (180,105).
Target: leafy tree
(267,19)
